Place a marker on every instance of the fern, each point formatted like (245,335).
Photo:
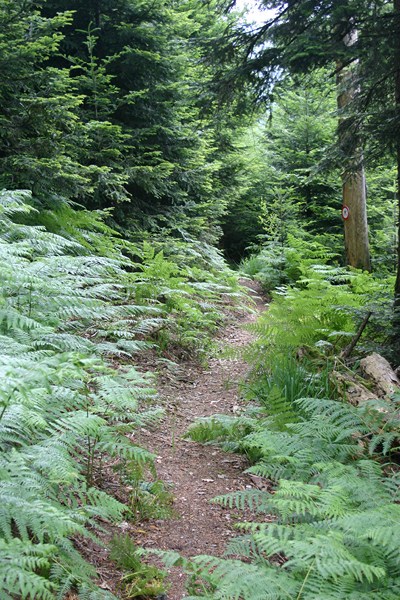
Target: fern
(74,297)
(317,315)
(331,525)
(60,404)
(337,526)
(19,563)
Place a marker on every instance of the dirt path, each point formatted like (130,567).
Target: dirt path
(198,473)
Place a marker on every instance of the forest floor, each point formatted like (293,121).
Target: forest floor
(198,473)
(194,473)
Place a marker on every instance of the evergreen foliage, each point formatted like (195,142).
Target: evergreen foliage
(295,187)
(299,139)
(102,105)
(301,38)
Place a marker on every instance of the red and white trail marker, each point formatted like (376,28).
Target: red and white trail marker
(345,212)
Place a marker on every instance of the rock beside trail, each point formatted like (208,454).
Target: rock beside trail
(377,380)
(376,369)
(355,392)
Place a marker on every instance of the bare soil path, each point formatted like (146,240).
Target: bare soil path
(195,472)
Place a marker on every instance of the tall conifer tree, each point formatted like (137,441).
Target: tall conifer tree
(301,35)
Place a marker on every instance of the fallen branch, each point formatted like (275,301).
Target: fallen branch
(349,349)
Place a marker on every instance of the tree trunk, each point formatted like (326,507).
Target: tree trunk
(396,6)
(353,177)
(396,319)
(356,226)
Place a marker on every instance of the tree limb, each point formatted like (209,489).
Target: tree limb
(350,347)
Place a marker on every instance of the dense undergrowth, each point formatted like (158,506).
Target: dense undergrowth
(77,304)
(330,524)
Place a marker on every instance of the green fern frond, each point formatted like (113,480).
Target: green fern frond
(20,561)
(254,499)
(220,427)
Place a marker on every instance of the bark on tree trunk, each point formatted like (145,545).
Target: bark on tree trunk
(396,317)
(356,226)
(396,6)
(353,177)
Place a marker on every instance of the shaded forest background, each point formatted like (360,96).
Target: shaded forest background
(122,107)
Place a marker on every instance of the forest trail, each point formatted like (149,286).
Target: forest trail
(195,472)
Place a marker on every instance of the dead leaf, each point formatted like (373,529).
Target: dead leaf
(104,586)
